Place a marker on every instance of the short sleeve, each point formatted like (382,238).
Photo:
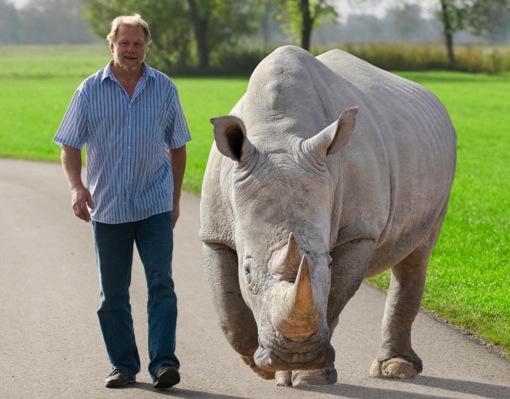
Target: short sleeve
(73,128)
(177,132)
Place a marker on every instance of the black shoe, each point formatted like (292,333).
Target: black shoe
(166,377)
(118,379)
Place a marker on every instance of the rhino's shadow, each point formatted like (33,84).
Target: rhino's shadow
(461,386)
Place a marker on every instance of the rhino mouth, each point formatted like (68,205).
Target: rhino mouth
(271,360)
(297,355)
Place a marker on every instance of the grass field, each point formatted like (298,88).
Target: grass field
(469,278)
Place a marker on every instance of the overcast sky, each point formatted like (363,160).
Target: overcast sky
(345,7)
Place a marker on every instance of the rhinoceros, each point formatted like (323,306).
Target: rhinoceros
(328,170)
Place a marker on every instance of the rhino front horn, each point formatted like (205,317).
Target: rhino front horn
(297,315)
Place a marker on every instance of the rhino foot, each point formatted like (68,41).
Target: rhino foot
(266,375)
(304,378)
(394,367)
(283,378)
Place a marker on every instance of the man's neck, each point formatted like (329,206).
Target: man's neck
(126,75)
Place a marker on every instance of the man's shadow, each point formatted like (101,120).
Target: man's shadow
(184,393)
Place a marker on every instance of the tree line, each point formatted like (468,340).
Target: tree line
(195,33)
(44,22)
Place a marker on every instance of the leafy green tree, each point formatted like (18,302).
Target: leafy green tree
(484,15)
(219,23)
(473,15)
(302,16)
(499,32)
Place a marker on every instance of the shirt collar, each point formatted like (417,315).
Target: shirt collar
(108,73)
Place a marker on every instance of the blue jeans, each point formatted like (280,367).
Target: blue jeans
(114,253)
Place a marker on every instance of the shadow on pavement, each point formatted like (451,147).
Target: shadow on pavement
(360,392)
(459,386)
(184,393)
(474,388)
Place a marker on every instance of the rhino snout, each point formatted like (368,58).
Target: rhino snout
(272,360)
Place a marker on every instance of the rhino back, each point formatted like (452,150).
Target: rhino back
(395,172)
(418,141)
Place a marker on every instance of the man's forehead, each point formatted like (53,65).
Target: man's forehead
(125,30)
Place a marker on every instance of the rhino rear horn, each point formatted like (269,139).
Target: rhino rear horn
(286,264)
(230,137)
(297,315)
(332,138)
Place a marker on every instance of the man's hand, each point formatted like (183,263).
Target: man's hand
(80,199)
(71,161)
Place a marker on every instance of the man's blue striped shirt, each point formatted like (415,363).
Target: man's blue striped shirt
(128,171)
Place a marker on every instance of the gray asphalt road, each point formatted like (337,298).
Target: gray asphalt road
(50,342)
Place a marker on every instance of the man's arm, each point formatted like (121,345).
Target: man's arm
(71,162)
(178,160)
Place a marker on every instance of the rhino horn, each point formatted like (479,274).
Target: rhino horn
(286,263)
(297,315)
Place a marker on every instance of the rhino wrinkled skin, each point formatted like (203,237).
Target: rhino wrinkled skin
(328,170)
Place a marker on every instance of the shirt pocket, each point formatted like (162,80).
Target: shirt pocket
(151,129)
(107,119)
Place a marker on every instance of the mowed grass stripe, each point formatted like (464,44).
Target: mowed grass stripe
(468,281)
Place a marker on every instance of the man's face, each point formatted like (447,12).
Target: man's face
(130,49)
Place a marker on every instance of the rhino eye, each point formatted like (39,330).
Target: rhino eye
(247,270)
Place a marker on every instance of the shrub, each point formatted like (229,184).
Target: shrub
(241,60)
(396,56)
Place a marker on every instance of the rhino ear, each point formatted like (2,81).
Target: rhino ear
(332,138)
(231,139)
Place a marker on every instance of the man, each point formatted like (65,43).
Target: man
(129,117)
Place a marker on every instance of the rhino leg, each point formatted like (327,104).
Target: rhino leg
(396,358)
(235,318)
(305,378)
(283,378)
(349,264)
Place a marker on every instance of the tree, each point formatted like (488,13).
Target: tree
(267,13)
(474,15)
(218,23)
(302,16)
(484,15)
(174,24)
(452,20)
(406,21)
(9,23)
(500,31)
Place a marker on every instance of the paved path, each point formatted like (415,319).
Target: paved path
(50,342)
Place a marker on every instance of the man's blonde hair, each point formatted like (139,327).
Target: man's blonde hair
(132,20)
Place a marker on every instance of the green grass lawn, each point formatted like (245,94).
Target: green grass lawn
(469,278)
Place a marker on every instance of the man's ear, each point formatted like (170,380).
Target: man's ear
(230,137)
(332,138)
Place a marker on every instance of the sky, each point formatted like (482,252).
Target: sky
(345,7)
(377,7)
